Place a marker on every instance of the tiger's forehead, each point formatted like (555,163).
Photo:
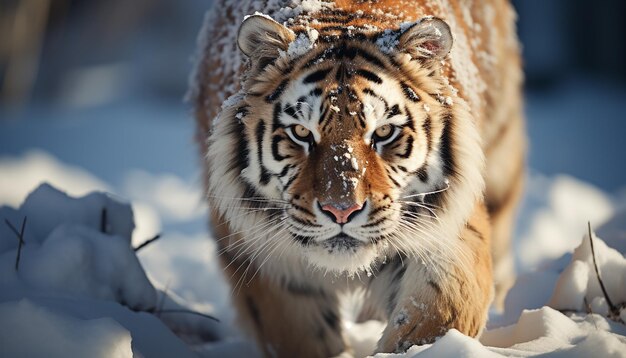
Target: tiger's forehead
(341,99)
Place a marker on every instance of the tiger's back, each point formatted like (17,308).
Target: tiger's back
(483,71)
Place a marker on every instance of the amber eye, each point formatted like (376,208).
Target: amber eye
(301,134)
(383,133)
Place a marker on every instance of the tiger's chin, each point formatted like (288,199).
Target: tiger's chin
(343,254)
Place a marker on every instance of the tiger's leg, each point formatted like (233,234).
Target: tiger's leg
(287,320)
(505,184)
(422,305)
(290,321)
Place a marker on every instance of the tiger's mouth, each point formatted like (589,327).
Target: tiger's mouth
(341,242)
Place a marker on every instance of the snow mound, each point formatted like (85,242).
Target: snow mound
(558,211)
(60,336)
(558,323)
(546,330)
(579,282)
(76,277)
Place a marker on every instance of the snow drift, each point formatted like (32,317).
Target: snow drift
(79,289)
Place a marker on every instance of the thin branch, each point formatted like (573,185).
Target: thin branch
(20,238)
(148,242)
(612,308)
(103,220)
(190,312)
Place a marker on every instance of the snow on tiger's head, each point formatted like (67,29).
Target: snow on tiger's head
(344,144)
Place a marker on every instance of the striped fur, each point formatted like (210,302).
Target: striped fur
(420,246)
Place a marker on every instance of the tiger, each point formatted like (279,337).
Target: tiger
(360,146)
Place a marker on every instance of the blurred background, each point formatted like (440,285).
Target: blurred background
(91,97)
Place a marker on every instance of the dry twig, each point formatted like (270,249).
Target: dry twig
(103,220)
(148,242)
(613,310)
(20,238)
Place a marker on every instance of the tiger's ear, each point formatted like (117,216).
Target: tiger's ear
(429,38)
(261,37)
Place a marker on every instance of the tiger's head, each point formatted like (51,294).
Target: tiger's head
(342,148)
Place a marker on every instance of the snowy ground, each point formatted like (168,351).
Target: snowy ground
(81,290)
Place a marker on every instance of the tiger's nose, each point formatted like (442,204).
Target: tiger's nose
(340,215)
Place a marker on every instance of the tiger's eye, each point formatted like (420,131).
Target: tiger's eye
(383,132)
(301,132)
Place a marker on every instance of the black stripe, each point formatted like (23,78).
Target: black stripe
(409,93)
(300,208)
(285,170)
(260,131)
(304,240)
(327,53)
(408,149)
(242,159)
(250,192)
(393,111)
(276,139)
(325,109)
(422,174)
(393,180)
(299,102)
(409,119)
(277,92)
(370,92)
(368,75)
(275,117)
(293,178)
(475,231)
(426,126)
(331,19)
(379,209)
(290,111)
(327,120)
(242,112)
(375,223)
(339,52)
(337,13)
(317,76)
(304,221)
(371,58)
(445,148)
(330,28)
(361,121)
(316,92)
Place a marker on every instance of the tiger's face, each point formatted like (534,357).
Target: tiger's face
(344,148)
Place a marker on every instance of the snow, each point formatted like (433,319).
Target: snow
(558,218)
(58,335)
(76,257)
(579,282)
(302,44)
(89,285)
